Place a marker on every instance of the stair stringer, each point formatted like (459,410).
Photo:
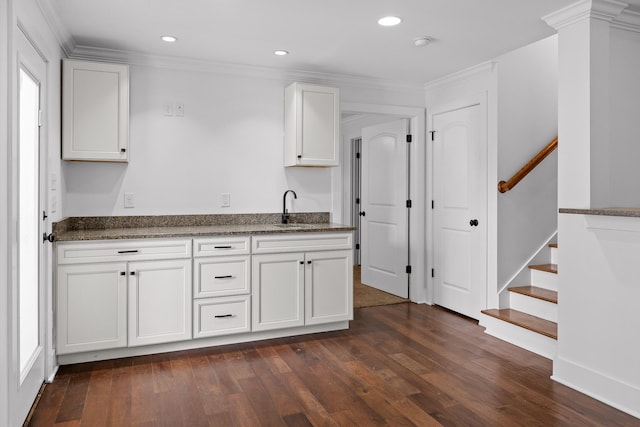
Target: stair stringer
(523,275)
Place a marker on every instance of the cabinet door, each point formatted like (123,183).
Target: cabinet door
(328,287)
(278,291)
(159,301)
(91,307)
(95,111)
(312,125)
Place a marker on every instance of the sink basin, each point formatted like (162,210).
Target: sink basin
(294,226)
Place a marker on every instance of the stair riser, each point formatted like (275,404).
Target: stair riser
(521,337)
(554,255)
(534,306)
(544,279)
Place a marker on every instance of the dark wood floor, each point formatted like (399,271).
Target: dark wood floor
(398,365)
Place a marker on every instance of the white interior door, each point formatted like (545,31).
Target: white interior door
(384,207)
(28,304)
(460,206)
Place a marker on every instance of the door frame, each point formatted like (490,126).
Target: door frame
(417,179)
(486,103)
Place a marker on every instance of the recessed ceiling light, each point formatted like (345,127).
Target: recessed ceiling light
(281,52)
(169,39)
(389,21)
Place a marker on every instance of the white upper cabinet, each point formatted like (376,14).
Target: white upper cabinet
(312,125)
(95,111)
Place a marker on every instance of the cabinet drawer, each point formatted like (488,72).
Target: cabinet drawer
(219,276)
(221,316)
(301,242)
(220,246)
(107,251)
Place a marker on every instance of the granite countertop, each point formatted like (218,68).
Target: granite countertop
(162,226)
(628,212)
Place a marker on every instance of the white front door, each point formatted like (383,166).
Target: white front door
(27,366)
(460,206)
(384,223)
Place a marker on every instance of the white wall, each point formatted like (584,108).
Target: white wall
(527,121)
(598,323)
(229,141)
(624,128)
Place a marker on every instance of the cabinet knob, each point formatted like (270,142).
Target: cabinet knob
(301,262)
(123,150)
(133,273)
(299,156)
(122,273)
(308,262)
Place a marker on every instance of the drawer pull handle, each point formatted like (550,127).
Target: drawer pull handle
(222,247)
(133,251)
(223,277)
(224,316)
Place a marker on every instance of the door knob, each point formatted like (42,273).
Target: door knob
(473,223)
(363,213)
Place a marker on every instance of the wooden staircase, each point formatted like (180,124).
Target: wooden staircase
(531,319)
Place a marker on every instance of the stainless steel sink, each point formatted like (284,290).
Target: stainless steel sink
(294,226)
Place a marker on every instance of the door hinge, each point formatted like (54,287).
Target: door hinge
(408,204)
(433,273)
(408,269)
(357,245)
(433,204)
(357,155)
(409,138)
(357,200)
(432,132)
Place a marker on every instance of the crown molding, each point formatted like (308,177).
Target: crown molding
(62,34)
(604,10)
(252,71)
(485,67)
(629,20)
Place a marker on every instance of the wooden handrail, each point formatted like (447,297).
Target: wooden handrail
(504,186)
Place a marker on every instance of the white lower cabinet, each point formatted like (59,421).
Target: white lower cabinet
(131,293)
(91,307)
(115,294)
(328,287)
(301,288)
(159,301)
(278,291)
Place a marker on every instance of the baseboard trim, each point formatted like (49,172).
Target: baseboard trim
(620,395)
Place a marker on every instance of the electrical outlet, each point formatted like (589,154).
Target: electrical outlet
(54,204)
(128,200)
(167,109)
(179,109)
(54,182)
(225,200)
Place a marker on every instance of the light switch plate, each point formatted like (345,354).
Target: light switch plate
(225,200)
(167,109)
(128,200)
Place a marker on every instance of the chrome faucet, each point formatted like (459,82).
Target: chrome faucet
(285,212)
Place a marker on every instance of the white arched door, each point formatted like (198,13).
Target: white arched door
(384,219)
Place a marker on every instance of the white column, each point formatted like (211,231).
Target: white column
(583,101)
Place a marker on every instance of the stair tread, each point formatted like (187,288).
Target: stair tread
(536,292)
(527,321)
(549,268)
(553,245)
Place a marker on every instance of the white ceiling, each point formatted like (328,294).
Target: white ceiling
(324,36)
